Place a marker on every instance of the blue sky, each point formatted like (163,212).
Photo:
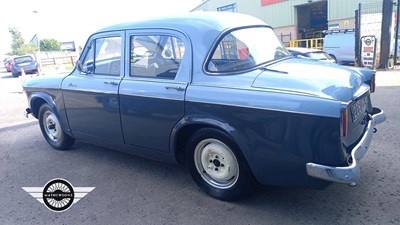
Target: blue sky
(75,20)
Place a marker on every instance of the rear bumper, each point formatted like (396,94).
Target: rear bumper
(351,173)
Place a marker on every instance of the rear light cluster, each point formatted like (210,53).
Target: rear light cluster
(372,87)
(345,118)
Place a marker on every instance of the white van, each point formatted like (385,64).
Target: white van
(340,46)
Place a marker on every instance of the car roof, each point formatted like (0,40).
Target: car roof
(200,28)
(187,21)
(303,50)
(23,56)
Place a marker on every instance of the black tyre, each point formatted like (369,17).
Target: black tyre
(218,166)
(15,74)
(51,129)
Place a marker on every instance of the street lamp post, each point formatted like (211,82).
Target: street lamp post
(36,39)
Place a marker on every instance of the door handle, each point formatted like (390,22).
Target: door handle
(111,82)
(72,85)
(175,87)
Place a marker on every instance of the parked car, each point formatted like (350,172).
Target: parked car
(219,93)
(27,63)
(340,46)
(311,53)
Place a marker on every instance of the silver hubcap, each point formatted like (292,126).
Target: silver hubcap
(216,163)
(51,126)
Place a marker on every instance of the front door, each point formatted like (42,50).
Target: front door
(91,95)
(152,93)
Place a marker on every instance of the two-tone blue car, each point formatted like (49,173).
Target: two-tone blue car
(217,92)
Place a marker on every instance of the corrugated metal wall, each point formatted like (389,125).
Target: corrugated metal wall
(343,9)
(284,13)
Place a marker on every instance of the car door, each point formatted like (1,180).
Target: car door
(152,93)
(91,92)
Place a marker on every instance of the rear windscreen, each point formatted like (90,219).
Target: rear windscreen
(26,59)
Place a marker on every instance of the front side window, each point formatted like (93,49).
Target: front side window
(103,57)
(245,49)
(156,56)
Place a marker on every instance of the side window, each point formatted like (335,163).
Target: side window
(156,56)
(103,57)
(108,56)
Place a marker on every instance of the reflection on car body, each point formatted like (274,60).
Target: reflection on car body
(219,93)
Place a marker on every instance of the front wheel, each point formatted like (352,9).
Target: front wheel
(217,165)
(51,129)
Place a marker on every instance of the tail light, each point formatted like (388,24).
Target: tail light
(372,87)
(345,117)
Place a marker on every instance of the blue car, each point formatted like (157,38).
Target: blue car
(25,63)
(217,92)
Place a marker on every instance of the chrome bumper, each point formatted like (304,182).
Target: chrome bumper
(351,173)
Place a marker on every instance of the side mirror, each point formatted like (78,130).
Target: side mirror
(86,68)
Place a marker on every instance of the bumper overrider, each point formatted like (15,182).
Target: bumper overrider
(351,173)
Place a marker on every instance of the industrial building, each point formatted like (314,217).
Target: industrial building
(294,19)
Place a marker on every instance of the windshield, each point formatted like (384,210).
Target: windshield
(245,49)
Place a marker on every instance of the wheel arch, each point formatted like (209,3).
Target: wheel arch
(38,99)
(188,126)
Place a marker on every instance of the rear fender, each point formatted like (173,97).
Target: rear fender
(198,123)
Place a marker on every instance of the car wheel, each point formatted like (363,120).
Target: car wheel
(217,165)
(15,74)
(51,129)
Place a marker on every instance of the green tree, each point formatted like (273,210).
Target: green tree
(28,49)
(48,45)
(18,46)
(17,40)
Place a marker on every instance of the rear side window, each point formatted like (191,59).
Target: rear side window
(156,56)
(104,56)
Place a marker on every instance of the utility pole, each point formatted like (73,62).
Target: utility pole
(386,37)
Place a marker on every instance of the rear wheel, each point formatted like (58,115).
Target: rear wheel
(51,129)
(15,74)
(217,165)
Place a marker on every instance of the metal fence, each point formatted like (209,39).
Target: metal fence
(378,20)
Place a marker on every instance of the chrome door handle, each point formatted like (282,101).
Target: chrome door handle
(111,82)
(175,87)
(72,85)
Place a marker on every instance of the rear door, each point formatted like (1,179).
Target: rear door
(91,97)
(152,93)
